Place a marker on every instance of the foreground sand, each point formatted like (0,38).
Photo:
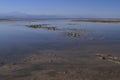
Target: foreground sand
(60,65)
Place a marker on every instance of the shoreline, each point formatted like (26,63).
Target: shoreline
(58,65)
(102,20)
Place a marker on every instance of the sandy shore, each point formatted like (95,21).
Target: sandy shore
(60,65)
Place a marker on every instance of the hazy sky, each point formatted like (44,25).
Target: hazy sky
(62,7)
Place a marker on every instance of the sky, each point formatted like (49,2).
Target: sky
(63,7)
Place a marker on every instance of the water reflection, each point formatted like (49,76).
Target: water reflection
(69,32)
(73,34)
(43,26)
(77,33)
(72,24)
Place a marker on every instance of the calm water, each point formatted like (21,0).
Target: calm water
(16,38)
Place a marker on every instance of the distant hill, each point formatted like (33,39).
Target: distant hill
(23,15)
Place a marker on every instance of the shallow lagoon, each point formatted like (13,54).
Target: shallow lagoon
(74,43)
(16,38)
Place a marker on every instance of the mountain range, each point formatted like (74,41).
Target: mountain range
(24,15)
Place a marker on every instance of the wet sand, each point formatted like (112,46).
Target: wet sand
(60,65)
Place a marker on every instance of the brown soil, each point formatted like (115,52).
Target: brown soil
(60,65)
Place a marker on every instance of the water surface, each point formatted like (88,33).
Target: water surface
(18,39)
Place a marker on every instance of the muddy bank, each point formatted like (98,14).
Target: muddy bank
(60,65)
(102,20)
